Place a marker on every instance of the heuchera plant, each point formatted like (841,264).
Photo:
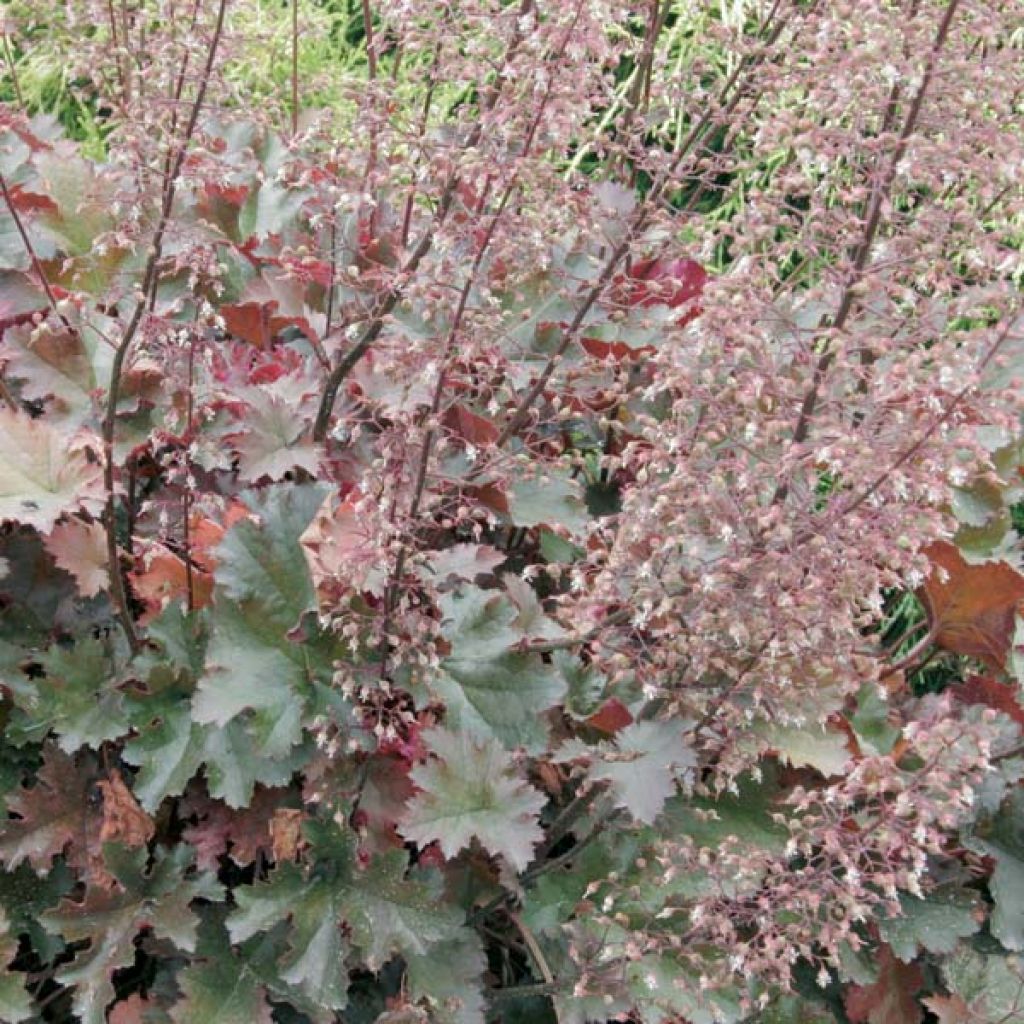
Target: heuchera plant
(450,542)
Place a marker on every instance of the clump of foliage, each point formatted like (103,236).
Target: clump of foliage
(470,554)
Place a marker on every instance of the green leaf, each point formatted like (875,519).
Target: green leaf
(317,948)
(531,621)
(181,637)
(553,897)
(811,745)
(220,986)
(257,670)
(16,1004)
(984,506)
(253,667)
(42,472)
(13,255)
(488,688)
(978,504)
(1016,661)
(541,300)
(479,622)
(556,549)
(275,438)
(991,985)
(871,721)
(663,987)
(232,985)
(640,766)
(586,684)
(264,561)
(111,918)
(450,976)
(19,294)
(746,816)
(171,749)
(270,209)
(77,696)
(383,911)
(83,196)
(858,965)
(792,1009)
(934,924)
(470,790)
(1004,841)
(24,896)
(552,500)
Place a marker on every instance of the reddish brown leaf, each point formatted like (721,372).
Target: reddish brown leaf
(991,693)
(250,321)
(319,271)
(142,385)
(899,749)
(610,717)
(270,303)
(11,122)
(386,789)
(164,578)
(243,834)
(490,495)
(31,202)
(205,535)
(233,195)
(891,999)
(400,1012)
(53,815)
(614,350)
(895,683)
(210,837)
(50,362)
(469,426)
(60,814)
(654,282)
(972,607)
(80,549)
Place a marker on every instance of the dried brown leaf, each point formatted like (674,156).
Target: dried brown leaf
(243,834)
(124,821)
(286,833)
(949,1009)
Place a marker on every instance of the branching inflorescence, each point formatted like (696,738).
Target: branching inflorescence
(474,528)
